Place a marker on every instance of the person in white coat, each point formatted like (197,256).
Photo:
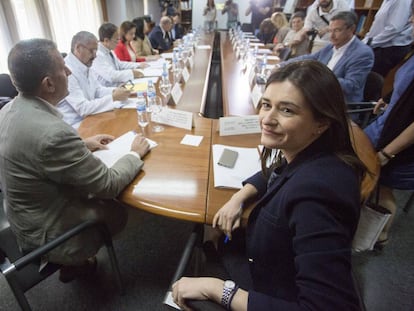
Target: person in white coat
(86,95)
(109,69)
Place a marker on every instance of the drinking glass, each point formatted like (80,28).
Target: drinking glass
(156,105)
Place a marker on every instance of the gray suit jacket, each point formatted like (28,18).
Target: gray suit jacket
(50,180)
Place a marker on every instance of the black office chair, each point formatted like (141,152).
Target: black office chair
(361,112)
(22,271)
(7,89)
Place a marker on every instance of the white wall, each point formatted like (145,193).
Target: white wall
(122,10)
(198,7)
(116,11)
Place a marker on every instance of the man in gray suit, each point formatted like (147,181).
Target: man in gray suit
(50,179)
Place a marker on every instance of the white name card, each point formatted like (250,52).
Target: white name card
(237,53)
(239,125)
(191,61)
(174,117)
(186,74)
(176,93)
(252,75)
(256,94)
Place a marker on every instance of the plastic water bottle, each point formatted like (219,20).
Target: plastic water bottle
(151,88)
(263,66)
(151,93)
(262,77)
(164,71)
(142,110)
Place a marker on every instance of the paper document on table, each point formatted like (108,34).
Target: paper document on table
(264,51)
(247,164)
(203,47)
(140,87)
(130,103)
(141,84)
(118,148)
(152,72)
(167,55)
(159,63)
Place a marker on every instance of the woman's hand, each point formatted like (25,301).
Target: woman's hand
(151,58)
(98,142)
(382,159)
(196,289)
(379,106)
(228,217)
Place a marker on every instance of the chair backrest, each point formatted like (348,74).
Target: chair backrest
(373,87)
(7,89)
(284,53)
(22,270)
(10,251)
(361,113)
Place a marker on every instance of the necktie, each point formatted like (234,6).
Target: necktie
(113,60)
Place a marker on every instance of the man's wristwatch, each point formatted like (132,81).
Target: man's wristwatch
(229,289)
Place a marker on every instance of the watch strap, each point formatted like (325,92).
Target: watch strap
(231,297)
(227,296)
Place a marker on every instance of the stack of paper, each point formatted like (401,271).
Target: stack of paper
(118,148)
(247,164)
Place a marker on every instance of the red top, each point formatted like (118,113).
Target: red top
(122,53)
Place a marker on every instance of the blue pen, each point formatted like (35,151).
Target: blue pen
(226,239)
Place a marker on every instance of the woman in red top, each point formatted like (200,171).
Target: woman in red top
(124,50)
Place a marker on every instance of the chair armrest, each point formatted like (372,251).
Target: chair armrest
(360,106)
(42,250)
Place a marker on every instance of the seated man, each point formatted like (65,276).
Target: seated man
(160,36)
(109,69)
(349,58)
(177,30)
(86,95)
(50,179)
(317,18)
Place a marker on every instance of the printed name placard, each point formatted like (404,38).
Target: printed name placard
(239,125)
(256,94)
(186,74)
(252,75)
(191,61)
(174,117)
(176,93)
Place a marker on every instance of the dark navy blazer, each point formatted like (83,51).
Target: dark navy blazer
(158,41)
(299,235)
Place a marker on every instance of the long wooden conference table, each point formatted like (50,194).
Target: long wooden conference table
(177,180)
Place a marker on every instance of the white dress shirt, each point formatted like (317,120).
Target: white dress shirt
(110,70)
(86,95)
(391,26)
(337,54)
(313,18)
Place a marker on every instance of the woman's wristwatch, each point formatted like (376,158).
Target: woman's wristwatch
(229,289)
